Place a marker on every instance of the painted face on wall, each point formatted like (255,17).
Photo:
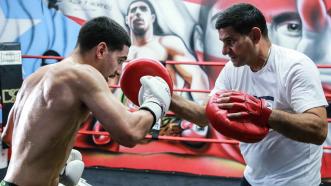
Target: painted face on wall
(139,18)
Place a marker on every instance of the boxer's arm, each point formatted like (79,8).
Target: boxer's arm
(188,110)
(125,127)
(308,127)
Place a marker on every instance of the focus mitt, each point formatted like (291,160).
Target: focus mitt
(250,127)
(137,68)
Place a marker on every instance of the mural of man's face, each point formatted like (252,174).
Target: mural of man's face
(303,25)
(140,18)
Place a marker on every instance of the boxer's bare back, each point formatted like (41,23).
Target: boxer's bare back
(47,114)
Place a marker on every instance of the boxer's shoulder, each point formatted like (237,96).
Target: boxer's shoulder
(76,75)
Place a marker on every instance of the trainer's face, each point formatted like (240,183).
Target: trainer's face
(140,18)
(237,46)
(115,61)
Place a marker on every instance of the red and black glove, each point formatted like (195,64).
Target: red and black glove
(239,116)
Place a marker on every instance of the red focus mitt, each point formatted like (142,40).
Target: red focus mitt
(252,124)
(135,69)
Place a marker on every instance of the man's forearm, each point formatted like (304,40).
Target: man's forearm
(305,127)
(188,110)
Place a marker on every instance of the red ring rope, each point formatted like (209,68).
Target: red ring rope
(209,63)
(174,138)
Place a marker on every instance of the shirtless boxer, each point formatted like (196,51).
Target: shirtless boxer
(55,100)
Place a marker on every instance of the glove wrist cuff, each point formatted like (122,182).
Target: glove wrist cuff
(266,112)
(154,108)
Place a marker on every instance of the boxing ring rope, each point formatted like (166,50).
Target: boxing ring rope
(174,138)
(206,140)
(207,63)
(328,96)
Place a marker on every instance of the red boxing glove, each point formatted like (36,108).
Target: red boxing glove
(135,69)
(250,127)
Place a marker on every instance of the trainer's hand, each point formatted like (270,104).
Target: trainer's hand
(238,115)
(242,105)
(154,96)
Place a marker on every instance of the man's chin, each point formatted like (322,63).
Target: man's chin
(139,31)
(236,63)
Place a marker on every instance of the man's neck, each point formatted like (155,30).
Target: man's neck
(262,57)
(84,58)
(141,40)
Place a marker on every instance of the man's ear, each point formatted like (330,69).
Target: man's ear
(127,20)
(255,35)
(153,17)
(101,50)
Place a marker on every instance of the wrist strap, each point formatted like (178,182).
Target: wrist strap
(155,131)
(149,110)
(154,107)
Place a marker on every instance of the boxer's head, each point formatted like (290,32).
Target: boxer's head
(241,27)
(140,17)
(106,42)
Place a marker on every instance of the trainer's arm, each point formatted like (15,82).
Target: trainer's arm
(308,127)
(127,128)
(188,110)
(303,88)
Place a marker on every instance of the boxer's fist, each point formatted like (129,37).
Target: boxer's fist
(137,68)
(154,96)
(238,115)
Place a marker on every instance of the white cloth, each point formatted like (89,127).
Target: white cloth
(290,82)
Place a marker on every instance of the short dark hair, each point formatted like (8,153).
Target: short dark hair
(102,29)
(242,18)
(149,4)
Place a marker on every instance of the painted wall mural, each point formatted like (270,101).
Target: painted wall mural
(179,30)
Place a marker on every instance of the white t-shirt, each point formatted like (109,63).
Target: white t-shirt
(290,82)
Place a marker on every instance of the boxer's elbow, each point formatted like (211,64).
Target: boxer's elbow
(132,138)
(135,137)
(129,144)
(126,139)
